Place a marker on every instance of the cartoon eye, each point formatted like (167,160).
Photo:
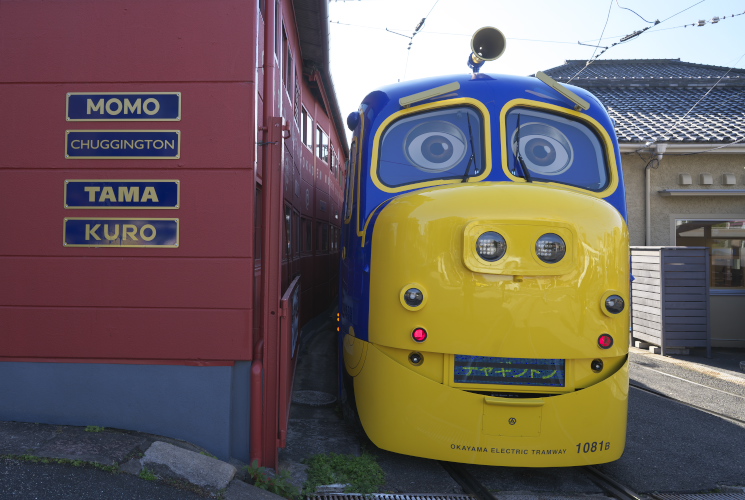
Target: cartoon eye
(435,146)
(545,149)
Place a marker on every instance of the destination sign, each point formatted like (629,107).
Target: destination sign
(509,371)
(123,106)
(122,194)
(123,144)
(113,232)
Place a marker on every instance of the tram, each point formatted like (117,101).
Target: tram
(485,270)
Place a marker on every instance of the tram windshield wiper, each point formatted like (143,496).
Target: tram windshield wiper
(472,158)
(520,168)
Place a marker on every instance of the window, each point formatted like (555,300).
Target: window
(296,104)
(350,181)
(726,239)
(432,146)
(322,144)
(288,231)
(277,27)
(323,237)
(307,236)
(307,125)
(334,239)
(287,61)
(555,148)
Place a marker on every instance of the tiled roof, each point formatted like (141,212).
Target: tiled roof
(653,72)
(657,114)
(664,99)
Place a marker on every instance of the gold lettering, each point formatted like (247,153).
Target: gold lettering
(151,228)
(107,194)
(150,194)
(134,108)
(95,107)
(171,144)
(110,110)
(129,194)
(129,230)
(92,190)
(106,232)
(155,109)
(91,232)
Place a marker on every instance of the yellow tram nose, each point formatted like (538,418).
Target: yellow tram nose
(528,302)
(494,326)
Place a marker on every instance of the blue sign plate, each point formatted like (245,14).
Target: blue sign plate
(509,371)
(118,233)
(122,194)
(124,106)
(123,144)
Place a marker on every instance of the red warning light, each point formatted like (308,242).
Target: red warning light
(605,341)
(419,334)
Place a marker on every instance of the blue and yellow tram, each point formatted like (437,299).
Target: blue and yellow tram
(485,271)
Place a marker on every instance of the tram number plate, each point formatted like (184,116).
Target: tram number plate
(509,371)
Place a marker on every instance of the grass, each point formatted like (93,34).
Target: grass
(279,484)
(361,473)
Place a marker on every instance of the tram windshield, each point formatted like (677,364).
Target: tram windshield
(554,148)
(431,146)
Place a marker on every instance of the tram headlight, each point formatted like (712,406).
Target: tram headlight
(491,246)
(413,297)
(614,304)
(550,248)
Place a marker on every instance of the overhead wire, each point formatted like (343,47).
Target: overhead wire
(639,32)
(631,36)
(640,17)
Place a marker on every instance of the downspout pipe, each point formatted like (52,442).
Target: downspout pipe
(258,439)
(660,149)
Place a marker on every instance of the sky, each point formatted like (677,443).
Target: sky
(371,42)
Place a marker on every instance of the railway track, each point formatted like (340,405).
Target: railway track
(474,487)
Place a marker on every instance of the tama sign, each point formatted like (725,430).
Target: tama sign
(118,194)
(120,106)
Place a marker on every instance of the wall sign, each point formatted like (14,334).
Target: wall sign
(122,194)
(124,232)
(123,144)
(124,106)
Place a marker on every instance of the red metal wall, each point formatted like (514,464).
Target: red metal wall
(191,304)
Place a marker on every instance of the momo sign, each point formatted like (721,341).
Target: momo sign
(121,106)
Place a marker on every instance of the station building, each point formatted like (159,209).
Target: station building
(170,192)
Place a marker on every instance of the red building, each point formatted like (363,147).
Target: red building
(168,171)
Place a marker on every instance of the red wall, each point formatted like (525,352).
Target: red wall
(188,304)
